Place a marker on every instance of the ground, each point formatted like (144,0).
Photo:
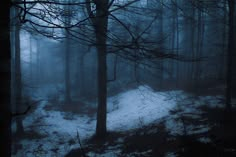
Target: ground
(141,122)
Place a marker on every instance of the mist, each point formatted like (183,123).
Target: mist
(122,78)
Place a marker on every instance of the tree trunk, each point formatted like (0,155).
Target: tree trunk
(5,80)
(31,60)
(231,43)
(38,62)
(161,34)
(173,42)
(67,56)
(18,79)
(199,47)
(101,30)
(177,43)
(224,39)
(67,70)
(81,75)
(192,44)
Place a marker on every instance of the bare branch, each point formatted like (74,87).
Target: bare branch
(21,113)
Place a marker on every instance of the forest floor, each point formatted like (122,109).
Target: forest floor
(141,122)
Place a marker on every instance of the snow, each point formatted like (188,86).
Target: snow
(212,101)
(57,129)
(144,106)
(189,106)
(205,140)
(112,151)
(126,111)
(170,154)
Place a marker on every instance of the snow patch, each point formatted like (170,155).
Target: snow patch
(137,108)
(126,111)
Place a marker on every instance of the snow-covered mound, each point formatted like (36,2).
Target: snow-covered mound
(138,107)
(129,110)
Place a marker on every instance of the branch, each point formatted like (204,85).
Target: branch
(49,2)
(21,113)
(81,148)
(122,24)
(123,6)
(90,12)
(26,111)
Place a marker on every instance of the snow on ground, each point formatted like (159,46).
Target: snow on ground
(138,107)
(61,133)
(189,106)
(126,111)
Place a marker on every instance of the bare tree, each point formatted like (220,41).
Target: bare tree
(100,23)
(18,76)
(231,42)
(136,46)
(67,15)
(5,80)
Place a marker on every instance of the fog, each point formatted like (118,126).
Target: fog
(108,78)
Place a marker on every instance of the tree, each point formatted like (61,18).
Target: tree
(67,15)
(224,41)
(100,23)
(231,42)
(199,40)
(161,34)
(136,46)
(80,74)
(5,80)
(18,80)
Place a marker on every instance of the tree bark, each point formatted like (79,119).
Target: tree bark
(231,42)
(161,34)
(224,39)
(18,79)
(199,46)
(101,30)
(173,44)
(192,45)
(177,43)
(81,75)
(67,70)
(67,57)
(5,80)
(31,61)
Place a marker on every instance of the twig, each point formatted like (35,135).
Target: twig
(21,113)
(81,147)
(26,111)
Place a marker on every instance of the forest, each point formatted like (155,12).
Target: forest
(118,78)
